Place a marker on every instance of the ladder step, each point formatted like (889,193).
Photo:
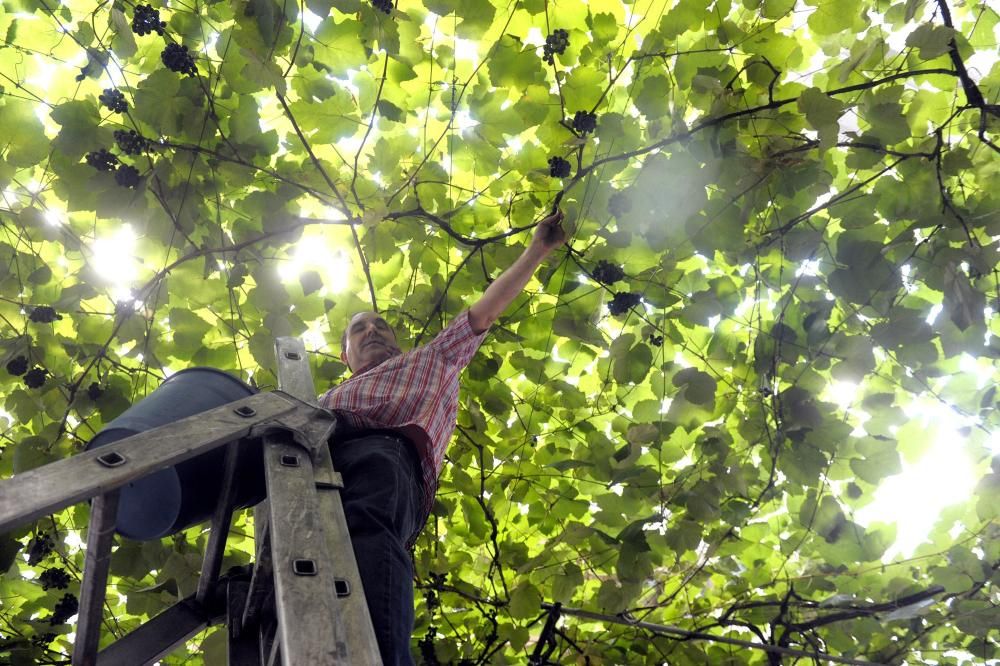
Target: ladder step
(161,635)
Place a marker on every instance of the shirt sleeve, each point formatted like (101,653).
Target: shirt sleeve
(458,343)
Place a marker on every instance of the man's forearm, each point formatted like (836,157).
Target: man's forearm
(505,288)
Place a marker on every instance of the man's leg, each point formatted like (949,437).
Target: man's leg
(381,499)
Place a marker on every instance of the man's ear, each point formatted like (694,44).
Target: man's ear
(343,357)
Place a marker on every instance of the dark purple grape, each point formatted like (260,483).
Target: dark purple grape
(147,20)
(39,548)
(584,122)
(623,302)
(426,645)
(54,578)
(176,58)
(35,378)
(383,5)
(43,314)
(65,609)
(102,160)
(555,43)
(559,168)
(607,273)
(127,176)
(114,100)
(130,142)
(619,204)
(94,391)
(17,366)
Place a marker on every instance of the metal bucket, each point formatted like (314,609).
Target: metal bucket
(172,499)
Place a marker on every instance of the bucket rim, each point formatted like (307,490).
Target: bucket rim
(216,371)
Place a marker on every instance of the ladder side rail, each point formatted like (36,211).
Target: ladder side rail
(97,562)
(295,379)
(267,642)
(304,584)
(260,595)
(351,602)
(242,645)
(221,520)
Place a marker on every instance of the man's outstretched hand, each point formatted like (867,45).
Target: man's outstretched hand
(549,234)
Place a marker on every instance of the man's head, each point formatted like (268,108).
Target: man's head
(367,341)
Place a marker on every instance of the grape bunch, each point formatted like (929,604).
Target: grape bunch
(43,314)
(147,20)
(102,160)
(555,43)
(65,609)
(656,339)
(383,5)
(130,142)
(619,204)
(35,378)
(114,100)
(622,302)
(39,548)
(426,645)
(94,391)
(559,168)
(431,598)
(54,578)
(584,122)
(437,580)
(43,640)
(177,59)
(127,176)
(607,273)
(17,366)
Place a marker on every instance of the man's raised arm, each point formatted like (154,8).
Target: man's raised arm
(548,236)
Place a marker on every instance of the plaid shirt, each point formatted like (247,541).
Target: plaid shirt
(415,394)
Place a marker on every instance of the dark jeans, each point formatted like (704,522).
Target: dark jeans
(382,499)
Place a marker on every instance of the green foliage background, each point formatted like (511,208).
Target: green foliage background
(708,481)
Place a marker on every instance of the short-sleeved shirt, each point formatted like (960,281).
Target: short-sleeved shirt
(415,394)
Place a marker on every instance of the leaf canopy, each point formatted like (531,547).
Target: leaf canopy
(803,200)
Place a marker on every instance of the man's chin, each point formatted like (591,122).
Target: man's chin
(379,353)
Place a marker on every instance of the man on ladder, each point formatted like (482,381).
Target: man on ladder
(397,413)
